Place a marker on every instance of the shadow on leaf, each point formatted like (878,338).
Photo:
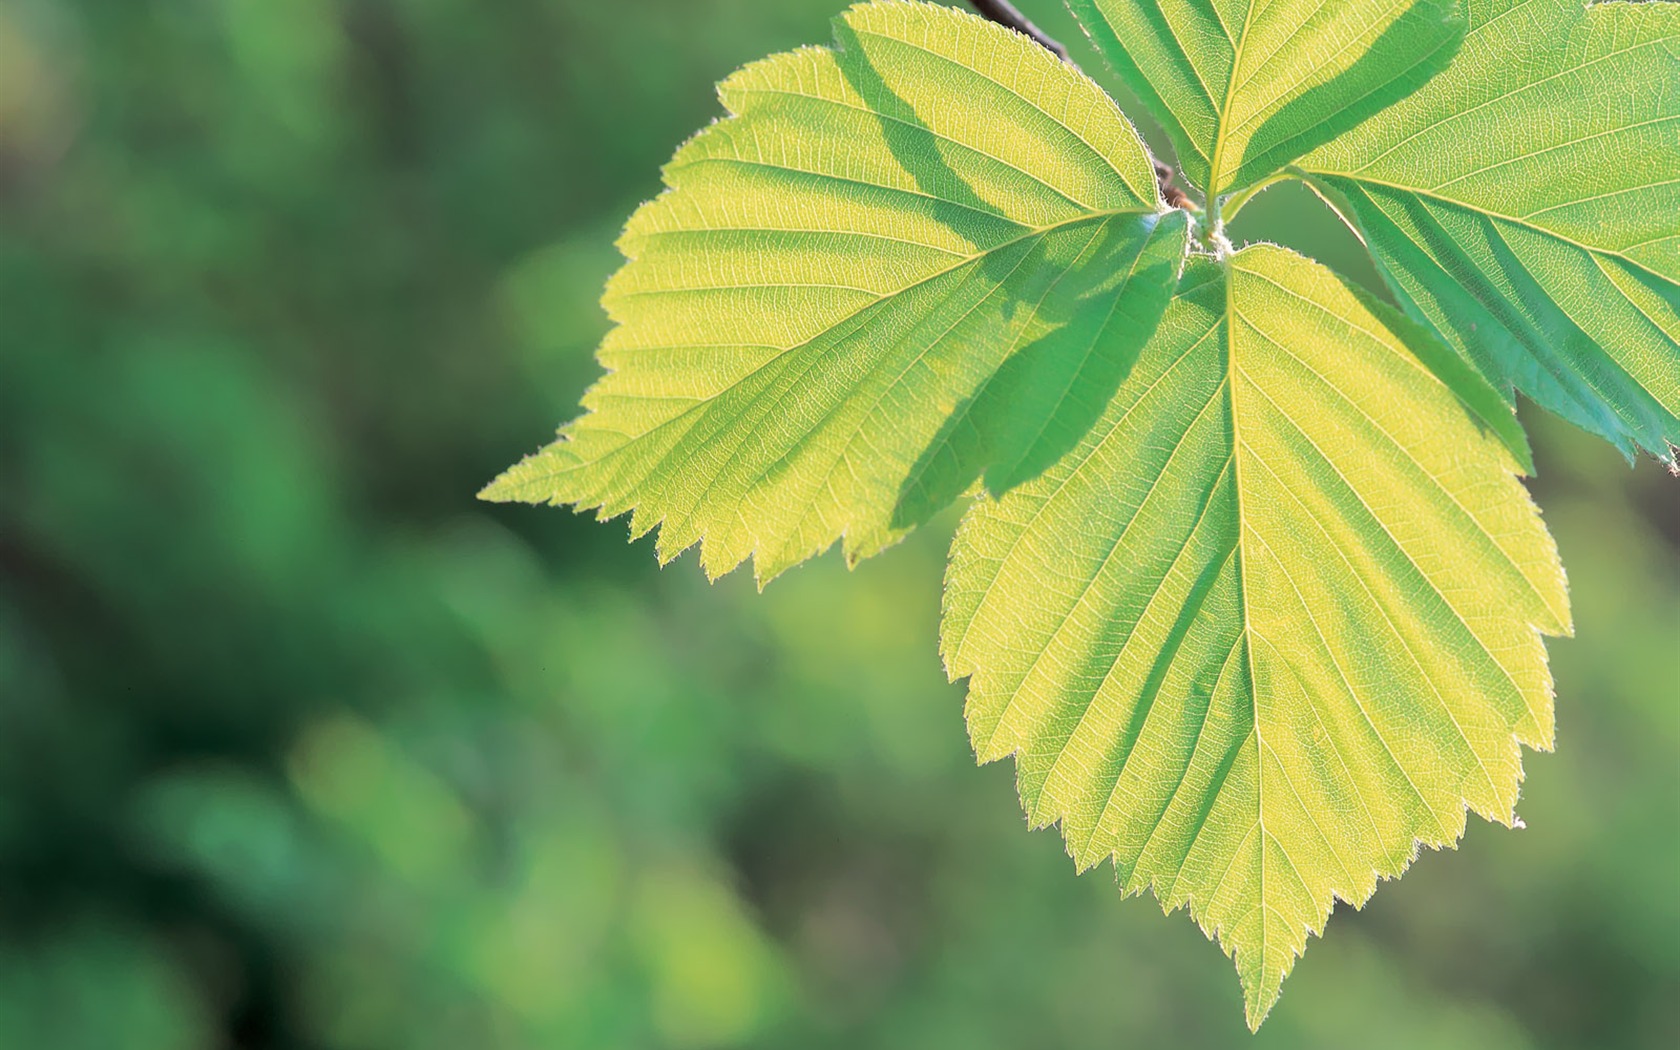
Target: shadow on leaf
(1064,334)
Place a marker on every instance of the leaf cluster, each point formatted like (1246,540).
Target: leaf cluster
(1248,583)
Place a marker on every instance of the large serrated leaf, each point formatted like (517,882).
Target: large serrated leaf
(1274,621)
(816,310)
(1527,203)
(1246,86)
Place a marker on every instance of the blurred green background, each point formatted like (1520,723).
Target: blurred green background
(301,746)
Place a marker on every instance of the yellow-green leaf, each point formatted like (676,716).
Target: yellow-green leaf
(1246,86)
(1275,621)
(1526,202)
(817,313)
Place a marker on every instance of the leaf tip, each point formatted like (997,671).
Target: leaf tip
(501,490)
(1262,990)
(533,479)
(1255,1010)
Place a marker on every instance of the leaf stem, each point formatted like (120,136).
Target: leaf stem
(1004,13)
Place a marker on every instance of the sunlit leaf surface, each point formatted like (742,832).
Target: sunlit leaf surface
(1274,621)
(1527,203)
(900,263)
(1246,86)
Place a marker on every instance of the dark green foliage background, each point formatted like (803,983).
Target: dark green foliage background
(302,747)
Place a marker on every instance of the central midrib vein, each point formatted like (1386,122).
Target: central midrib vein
(1214,166)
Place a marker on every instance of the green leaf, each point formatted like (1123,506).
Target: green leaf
(817,313)
(1246,86)
(1526,202)
(1275,620)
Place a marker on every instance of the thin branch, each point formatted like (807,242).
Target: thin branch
(1003,12)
